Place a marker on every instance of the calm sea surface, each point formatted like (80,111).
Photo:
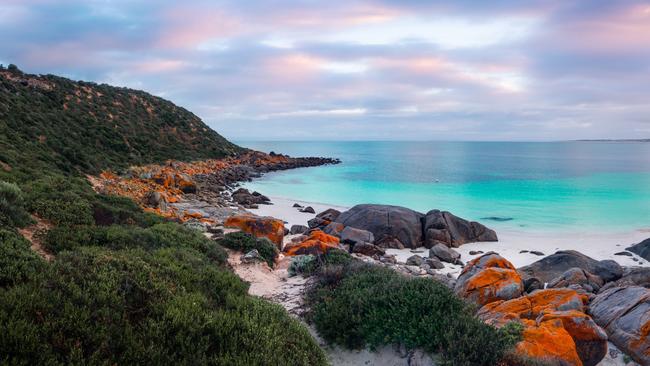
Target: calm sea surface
(574,186)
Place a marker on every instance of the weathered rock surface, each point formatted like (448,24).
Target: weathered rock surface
(489,278)
(641,249)
(624,312)
(351,235)
(444,227)
(368,249)
(444,253)
(554,265)
(555,326)
(639,276)
(244,197)
(316,243)
(261,227)
(252,257)
(334,228)
(576,277)
(298,229)
(414,260)
(392,226)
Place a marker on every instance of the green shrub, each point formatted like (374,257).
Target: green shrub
(12,210)
(243,242)
(18,263)
(307,265)
(114,210)
(358,305)
(169,306)
(302,265)
(165,235)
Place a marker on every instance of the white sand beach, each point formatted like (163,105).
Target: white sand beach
(598,245)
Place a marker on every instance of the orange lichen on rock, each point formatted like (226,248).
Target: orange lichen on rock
(548,317)
(489,278)
(548,341)
(261,227)
(316,243)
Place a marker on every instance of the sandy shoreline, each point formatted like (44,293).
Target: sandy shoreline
(598,245)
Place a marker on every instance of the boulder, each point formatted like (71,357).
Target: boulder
(392,226)
(334,228)
(641,249)
(368,249)
(555,326)
(444,227)
(489,278)
(252,257)
(414,260)
(554,265)
(308,209)
(638,276)
(316,243)
(330,214)
(624,313)
(261,227)
(351,235)
(609,270)
(434,263)
(444,253)
(298,229)
(576,277)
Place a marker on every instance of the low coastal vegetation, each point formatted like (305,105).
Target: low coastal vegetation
(243,242)
(358,305)
(124,286)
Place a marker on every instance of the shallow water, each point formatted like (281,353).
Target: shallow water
(536,186)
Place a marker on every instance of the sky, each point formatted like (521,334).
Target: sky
(358,70)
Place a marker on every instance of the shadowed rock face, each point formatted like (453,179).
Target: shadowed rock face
(624,312)
(554,265)
(642,249)
(392,226)
(444,227)
(400,227)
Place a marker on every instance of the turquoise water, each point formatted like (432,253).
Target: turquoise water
(541,186)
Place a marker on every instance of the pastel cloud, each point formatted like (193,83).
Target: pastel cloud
(365,68)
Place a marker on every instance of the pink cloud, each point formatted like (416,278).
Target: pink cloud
(186,27)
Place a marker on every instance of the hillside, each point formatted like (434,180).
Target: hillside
(48,121)
(92,279)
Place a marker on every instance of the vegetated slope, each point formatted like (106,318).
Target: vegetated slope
(50,121)
(124,287)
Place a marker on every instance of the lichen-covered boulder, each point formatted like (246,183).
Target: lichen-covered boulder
(392,226)
(453,231)
(548,316)
(324,218)
(489,278)
(334,228)
(624,312)
(261,227)
(316,243)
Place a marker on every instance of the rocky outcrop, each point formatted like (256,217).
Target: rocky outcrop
(316,243)
(261,227)
(298,229)
(556,328)
(489,278)
(443,227)
(324,218)
(245,198)
(554,265)
(624,312)
(392,226)
(641,249)
(368,249)
(400,227)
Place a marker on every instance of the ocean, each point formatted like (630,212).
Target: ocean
(530,186)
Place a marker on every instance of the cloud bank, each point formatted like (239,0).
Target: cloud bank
(354,70)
